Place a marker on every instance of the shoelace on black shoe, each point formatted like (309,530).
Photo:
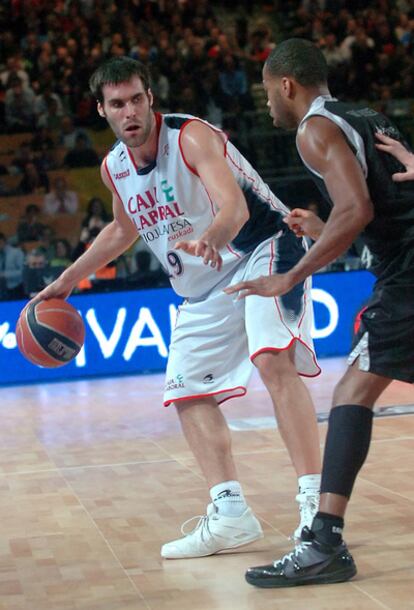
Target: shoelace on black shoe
(300,548)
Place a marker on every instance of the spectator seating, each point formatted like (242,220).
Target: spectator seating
(86,181)
(12,208)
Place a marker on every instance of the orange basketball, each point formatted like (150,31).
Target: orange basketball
(50,333)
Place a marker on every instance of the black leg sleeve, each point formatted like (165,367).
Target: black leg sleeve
(346,448)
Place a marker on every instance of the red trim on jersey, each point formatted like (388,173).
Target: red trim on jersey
(237,395)
(158,123)
(110,177)
(132,159)
(272,257)
(293,339)
(305,302)
(192,170)
(263,350)
(281,316)
(226,141)
(218,131)
(253,180)
(233,251)
(276,299)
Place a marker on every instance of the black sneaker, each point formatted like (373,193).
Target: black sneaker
(311,563)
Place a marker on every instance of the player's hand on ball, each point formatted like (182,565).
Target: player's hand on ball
(304,222)
(59,289)
(202,248)
(264,286)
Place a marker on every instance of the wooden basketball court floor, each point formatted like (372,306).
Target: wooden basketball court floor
(95,476)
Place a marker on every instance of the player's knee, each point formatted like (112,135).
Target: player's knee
(194,406)
(182,406)
(274,366)
(355,389)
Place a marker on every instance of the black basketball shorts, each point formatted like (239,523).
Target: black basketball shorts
(384,341)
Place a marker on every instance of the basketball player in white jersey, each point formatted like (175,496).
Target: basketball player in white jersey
(210,219)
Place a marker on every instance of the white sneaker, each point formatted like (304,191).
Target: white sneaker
(308,507)
(214,533)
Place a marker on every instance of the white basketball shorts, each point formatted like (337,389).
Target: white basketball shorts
(216,339)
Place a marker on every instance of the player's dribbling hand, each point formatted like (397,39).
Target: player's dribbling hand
(59,289)
(264,286)
(397,150)
(200,247)
(304,222)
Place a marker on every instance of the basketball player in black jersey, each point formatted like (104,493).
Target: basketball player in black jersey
(339,146)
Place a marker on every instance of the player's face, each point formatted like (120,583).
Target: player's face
(278,102)
(128,109)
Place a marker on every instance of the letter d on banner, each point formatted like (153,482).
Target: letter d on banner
(321,296)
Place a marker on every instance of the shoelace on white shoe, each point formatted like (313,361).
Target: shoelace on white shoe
(300,548)
(202,523)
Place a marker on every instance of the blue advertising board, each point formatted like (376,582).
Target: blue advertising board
(129,332)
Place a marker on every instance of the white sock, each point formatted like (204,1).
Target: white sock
(228,498)
(309,483)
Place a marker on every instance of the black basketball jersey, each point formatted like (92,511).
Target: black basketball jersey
(390,235)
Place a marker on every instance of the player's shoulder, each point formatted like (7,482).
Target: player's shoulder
(116,157)
(317,127)
(112,162)
(189,129)
(177,120)
(187,124)
(115,145)
(117,150)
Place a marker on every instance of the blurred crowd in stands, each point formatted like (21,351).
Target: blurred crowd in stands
(35,256)
(200,64)
(205,58)
(369,46)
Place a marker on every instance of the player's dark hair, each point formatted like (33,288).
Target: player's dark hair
(115,71)
(300,59)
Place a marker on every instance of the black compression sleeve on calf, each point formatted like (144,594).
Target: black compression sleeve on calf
(346,448)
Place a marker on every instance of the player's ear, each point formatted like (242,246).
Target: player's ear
(286,86)
(150,97)
(101,111)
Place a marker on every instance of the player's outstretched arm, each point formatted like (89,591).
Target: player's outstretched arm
(204,151)
(324,148)
(110,243)
(397,150)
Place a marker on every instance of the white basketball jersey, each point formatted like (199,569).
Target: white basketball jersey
(168,203)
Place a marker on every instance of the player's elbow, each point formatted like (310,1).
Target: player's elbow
(364,215)
(240,220)
(371,213)
(243,214)
(244,217)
